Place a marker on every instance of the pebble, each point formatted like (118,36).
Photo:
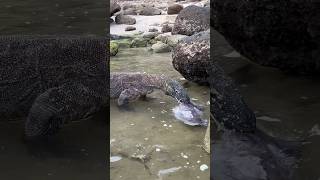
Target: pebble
(132,124)
(194,99)
(158,149)
(203,167)
(170,125)
(115,158)
(146,139)
(198,161)
(153,117)
(165,125)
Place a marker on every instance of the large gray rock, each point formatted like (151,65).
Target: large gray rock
(281,34)
(114,7)
(191,57)
(124,19)
(191,20)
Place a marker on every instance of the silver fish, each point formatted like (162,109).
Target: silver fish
(189,114)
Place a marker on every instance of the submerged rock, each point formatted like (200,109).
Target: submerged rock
(160,47)
(191,57)
(281,34)
(139,42)
(191,20)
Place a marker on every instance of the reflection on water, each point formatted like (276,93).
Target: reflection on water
(79,150)
(286,106)
(152,143)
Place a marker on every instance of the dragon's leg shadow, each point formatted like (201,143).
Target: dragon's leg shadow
(57,106)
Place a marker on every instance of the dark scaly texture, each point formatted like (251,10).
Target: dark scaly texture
(134,85)
(52,80)
(227,106)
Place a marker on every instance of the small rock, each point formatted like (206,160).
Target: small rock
(153,30)
(203,167)
(130,28)
(166,28)
(174,9)
(138,42)
(150,35)
(160,47)
(149,11)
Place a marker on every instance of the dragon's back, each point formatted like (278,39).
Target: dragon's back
(31,65)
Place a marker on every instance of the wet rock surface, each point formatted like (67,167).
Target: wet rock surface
(191,20)
(281,34)
(191,57)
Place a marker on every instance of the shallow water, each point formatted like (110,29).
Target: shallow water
(151,142)
(52,17)
(287,106)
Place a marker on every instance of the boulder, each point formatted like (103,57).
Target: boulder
(191,20)
(191,57)
(160,47)
(114,7)
(130,28)
(280,34)
(124,19)
(174,9)
(149,11)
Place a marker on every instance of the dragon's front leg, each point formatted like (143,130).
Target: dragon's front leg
(56,106)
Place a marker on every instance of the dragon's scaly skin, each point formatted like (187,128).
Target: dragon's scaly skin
(52,80)
(129,87)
